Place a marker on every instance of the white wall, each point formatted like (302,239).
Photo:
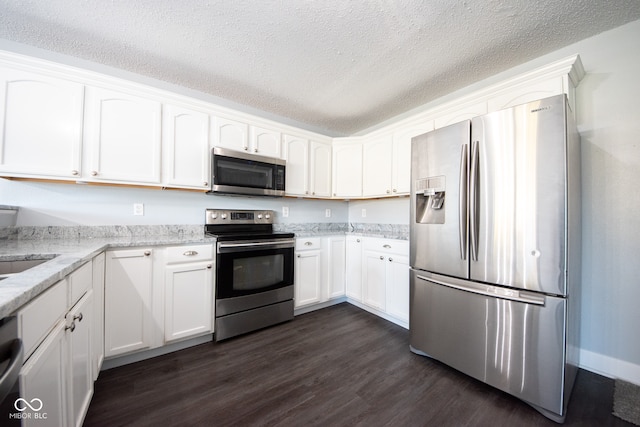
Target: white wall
(75,204)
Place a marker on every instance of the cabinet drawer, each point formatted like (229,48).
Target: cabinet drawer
(390,246)
(190,253)
(38,317)
(307,243)
(80,281)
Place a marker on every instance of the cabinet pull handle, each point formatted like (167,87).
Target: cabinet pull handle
(72,327)
(308,243)
(147,253)
(190,253)
(386,246)
(78,318)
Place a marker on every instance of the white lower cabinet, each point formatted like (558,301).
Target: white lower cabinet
(308,272)
(188,306)
(378,276)
(57,377)
(128,316)
(320,270)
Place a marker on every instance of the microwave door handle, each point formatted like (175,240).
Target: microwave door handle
(462,202)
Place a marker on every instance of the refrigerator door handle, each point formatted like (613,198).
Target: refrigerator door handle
(462,202)
(490,291)
(473,188)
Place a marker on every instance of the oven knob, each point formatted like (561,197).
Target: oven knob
(259,216)
(214,215)
(223,216)
(267,216)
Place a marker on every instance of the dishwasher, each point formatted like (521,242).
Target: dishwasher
(10,364)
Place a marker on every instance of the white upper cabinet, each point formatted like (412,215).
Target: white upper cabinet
(240,136)
(347,168)
(297,172)
(230,134)
(308,167)
(185,154)
(531,91)
(122,137)
(376,161)
(460,113)
(320,173)
(265,142)
(40,125)
(401,165)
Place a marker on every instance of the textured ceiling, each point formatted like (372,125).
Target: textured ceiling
(338,66)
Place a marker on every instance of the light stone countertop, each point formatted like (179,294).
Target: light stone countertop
(65,256)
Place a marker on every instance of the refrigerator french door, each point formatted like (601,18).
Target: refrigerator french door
(495,250)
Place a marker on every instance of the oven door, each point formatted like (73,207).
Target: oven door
(247,267)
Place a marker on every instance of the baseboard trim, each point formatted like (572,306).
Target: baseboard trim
(609,366)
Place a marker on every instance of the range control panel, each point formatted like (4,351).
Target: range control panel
(217,216)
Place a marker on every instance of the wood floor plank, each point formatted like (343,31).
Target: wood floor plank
(339,366)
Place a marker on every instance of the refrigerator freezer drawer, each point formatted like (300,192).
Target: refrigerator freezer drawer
(515,346)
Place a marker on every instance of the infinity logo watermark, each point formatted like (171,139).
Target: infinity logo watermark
(36,407)
(21,405)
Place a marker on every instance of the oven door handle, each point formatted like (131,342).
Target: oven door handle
(239,246)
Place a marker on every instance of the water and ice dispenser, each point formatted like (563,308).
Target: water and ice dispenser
(430,200)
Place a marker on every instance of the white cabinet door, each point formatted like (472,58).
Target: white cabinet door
(265,142)
(376,164)
(128,301)
(297,172)
(98,314)
(374,278)
(122,137)
(397,291)
(308,286)
(531,91)
(79,341)
(230,134)
(460,113)
(40,125)
(320,172)
(354,268)
(185,135)
(44,377)
(347,170)
(336,268)
(188,300)
(401,165)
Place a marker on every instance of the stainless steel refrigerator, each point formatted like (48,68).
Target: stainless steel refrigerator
(495,250)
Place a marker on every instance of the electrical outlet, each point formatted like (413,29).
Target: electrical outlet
(364,213)
(138,209)
(285,211)
(327,213)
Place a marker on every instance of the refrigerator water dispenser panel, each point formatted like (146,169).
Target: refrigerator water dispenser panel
(430,200)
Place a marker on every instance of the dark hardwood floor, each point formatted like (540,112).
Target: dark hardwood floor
(339,366)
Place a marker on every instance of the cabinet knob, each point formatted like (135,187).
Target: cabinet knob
(395,191)
(306,192)
(74,172)
(388,191)
(255,150)
(358,240)
(209,266)
(78,317)
(246,148)
(206,184)
(390,259)
(313,194)
(298,255)
(147,253)
(71,327)
(94,173)
(381,257)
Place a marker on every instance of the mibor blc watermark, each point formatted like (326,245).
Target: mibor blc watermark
(28,409)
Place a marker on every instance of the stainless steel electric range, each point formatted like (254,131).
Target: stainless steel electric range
(254,271)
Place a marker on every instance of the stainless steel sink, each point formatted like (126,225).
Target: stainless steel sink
(9,268)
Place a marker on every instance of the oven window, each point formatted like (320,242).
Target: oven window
(243,173)
(253,271)
(257,272)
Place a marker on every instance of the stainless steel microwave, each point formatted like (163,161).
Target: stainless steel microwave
(235,172)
